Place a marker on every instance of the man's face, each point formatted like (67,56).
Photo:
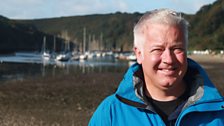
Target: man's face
(163,56)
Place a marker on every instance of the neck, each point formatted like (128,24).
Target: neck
(167,94)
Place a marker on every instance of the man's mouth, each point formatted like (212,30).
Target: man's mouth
(168,71)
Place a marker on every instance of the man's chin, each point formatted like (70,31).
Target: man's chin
(167,84)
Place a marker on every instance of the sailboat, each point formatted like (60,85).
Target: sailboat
(64,56)
(83,55)
(45,54)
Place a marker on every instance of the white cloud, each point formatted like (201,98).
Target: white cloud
(190,6)
(120,5)
(21,8)
(73,7)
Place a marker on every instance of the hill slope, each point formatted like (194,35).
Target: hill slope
(207,27)
(113,31)
(22,37)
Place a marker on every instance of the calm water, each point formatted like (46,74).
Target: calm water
(23,65)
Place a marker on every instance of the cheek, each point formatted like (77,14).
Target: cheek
(155,59)
(182,58)
(152,60)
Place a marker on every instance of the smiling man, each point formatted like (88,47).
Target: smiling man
(163,59)
(164,87)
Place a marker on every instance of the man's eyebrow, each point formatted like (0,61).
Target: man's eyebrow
(173,44)
(178,44)
(157,45)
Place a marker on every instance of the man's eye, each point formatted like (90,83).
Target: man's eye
(178,50)
(157,51)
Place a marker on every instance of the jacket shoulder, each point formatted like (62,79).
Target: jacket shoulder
(102,115)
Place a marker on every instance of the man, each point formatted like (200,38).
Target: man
(164,87)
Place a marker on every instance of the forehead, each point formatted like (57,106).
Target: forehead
(153,27)
(163,32)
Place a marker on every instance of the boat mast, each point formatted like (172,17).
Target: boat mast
(84,40)
(54,44)
(44,44)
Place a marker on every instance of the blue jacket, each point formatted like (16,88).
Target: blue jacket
(127,106)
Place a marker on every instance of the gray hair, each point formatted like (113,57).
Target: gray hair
(160,16)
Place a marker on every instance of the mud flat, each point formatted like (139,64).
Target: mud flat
(58,101)
(214,66)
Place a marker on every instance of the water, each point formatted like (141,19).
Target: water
(30,65)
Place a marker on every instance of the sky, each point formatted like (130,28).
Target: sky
(37,9)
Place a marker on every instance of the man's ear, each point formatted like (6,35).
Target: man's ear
(139,55)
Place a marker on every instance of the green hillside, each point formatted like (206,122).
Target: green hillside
(207,27)
(114,30)
(15,36)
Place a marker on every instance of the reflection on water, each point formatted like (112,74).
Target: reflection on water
(19,67)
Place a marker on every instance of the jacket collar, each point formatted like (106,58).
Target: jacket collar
(132,86)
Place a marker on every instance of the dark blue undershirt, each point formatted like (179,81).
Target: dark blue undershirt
(166,108)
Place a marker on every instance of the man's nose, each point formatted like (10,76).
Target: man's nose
(167,56)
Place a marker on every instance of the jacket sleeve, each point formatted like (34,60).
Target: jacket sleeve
(102,115)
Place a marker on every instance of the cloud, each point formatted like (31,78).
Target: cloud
(21,8)
(190,6)
(77,7)
(120,5)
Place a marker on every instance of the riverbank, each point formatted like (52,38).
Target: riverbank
(214,66)
(60,101)
(71,100)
